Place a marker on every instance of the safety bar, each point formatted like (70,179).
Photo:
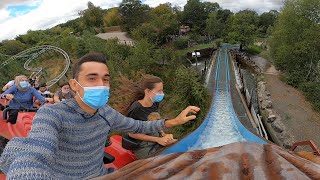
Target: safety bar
(305,143)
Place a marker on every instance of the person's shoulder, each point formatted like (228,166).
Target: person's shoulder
(10,83)
(46,92)
(57,92)
(72,93)
(156,104)
(53,107)
(33,89)
(134,105)
(13,87)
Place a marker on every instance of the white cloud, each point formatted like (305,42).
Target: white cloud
(258,5)
(154,3)
(5,3)
(4,15)
(52,12)
(49,14)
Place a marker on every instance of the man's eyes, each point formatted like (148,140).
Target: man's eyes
(94,79)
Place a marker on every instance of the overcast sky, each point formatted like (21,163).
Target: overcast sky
(19,16)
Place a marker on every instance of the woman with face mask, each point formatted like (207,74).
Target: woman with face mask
(63,93)
(147,95)
(21,97)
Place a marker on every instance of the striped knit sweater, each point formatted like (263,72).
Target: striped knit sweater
(67,143)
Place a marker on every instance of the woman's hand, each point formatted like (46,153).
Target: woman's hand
(50,100)
(166,140)
(9,96)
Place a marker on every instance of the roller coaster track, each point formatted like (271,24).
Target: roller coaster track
(35,53)
(221,125)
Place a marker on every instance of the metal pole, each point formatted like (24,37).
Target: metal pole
(196,63)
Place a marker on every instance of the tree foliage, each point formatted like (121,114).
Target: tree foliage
(295,44)
(92,16)
(163,22)
(215,26)
(243,27)
(267,20)
(11,47)
(133,13)
(112,18)
(194,14)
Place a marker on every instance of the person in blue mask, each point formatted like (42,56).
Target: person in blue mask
(67,139)
(145,96)
(21,97)
(63,93)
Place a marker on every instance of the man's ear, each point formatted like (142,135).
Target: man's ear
(74,85)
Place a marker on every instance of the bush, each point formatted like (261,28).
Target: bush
(253,49)
(181,43)
(218,43)
(311,91)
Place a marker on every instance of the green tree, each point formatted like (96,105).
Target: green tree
(163,22)
(243,27)
(295,44)
(195,15)
(92,16)
(147,32)
(112,18)
(133,13)
(267,20)
(214,25)
(224,14)
(11,47)
(33,38)
(210,7)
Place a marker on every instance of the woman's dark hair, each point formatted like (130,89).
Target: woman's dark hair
(132,91)
(43,85)
(91,57)
(63,84)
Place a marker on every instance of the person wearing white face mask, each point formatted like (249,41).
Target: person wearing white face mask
(67,139)
(21,96)
(63,93)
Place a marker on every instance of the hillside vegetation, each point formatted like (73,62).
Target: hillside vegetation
(295,45)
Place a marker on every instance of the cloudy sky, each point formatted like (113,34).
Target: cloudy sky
(19,16)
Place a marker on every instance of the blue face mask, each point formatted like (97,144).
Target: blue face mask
(159,97)
(96,96)
(24,84)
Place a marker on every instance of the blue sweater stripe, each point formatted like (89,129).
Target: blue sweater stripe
(67,143)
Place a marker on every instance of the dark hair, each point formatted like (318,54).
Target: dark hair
(63,84)
(132,91)
(43,85)
(91,57)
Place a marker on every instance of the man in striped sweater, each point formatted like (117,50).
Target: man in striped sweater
(67,139)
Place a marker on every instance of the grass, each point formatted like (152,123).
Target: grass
(254,50)
(196,47)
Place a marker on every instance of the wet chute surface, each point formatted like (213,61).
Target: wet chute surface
(221,125)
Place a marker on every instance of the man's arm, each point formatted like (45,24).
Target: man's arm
(183,117)
(56,98)
(33,157)
(119,122)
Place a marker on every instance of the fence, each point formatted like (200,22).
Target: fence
(241,84)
